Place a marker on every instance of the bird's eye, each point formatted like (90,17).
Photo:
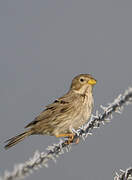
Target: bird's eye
(81,79)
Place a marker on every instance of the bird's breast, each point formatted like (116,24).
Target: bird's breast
(87,108)
(84,112)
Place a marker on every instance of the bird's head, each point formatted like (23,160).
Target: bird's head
(83,83)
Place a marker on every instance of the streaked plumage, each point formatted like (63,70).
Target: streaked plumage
(70,111)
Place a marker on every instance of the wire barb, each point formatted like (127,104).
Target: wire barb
(124,175)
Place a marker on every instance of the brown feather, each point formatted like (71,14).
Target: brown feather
(17,139)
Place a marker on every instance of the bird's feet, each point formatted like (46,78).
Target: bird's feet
(70,138)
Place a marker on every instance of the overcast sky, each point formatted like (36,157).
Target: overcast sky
(43,45)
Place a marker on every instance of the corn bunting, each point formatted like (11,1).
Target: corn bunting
(65,114)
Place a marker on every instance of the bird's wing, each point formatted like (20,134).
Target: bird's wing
(58,107)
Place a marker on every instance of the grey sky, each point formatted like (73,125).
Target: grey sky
(43,44)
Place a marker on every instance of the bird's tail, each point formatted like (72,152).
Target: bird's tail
(17,139)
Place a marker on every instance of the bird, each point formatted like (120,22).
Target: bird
(66,113)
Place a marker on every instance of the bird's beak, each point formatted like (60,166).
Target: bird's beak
(92,81)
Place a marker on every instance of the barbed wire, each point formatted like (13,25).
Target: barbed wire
(40,160)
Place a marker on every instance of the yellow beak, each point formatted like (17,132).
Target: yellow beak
(92,81)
